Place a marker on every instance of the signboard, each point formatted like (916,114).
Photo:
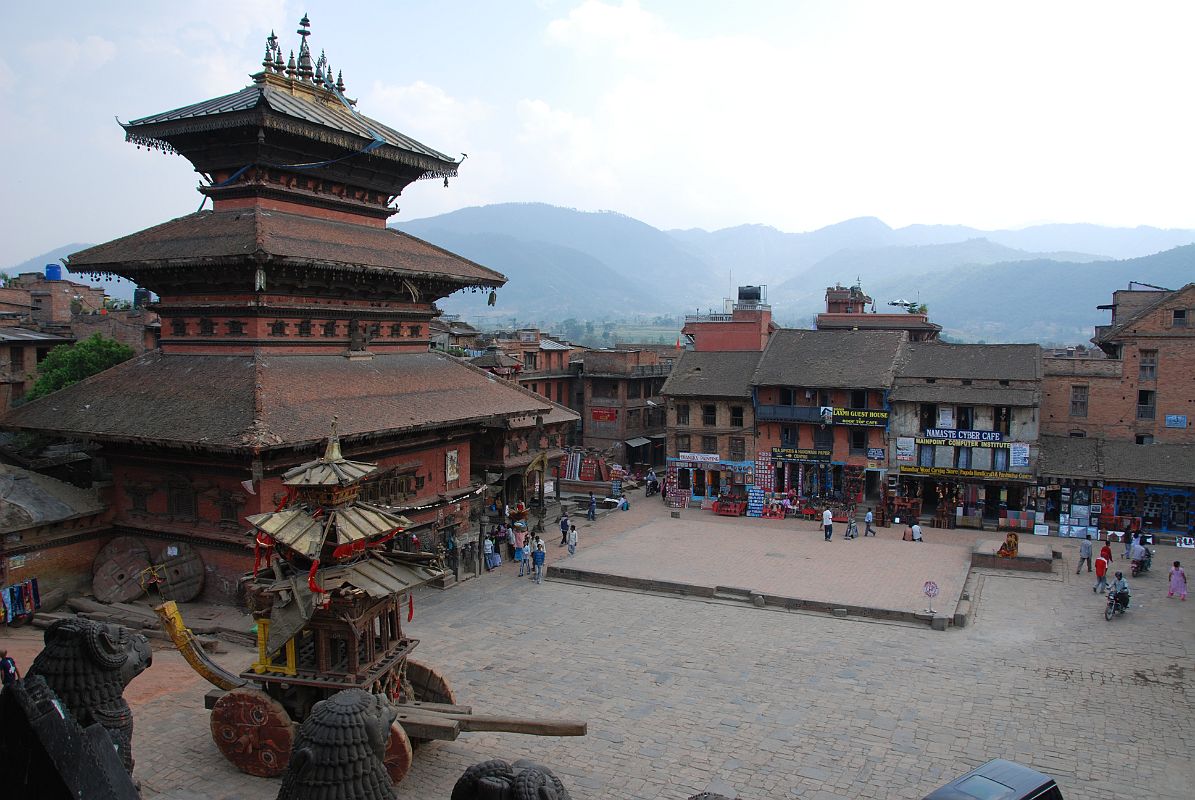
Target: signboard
(704,458)
(452,469)
(603,414)
(876,454)
(1185,541)
(859,417)
(1018,455)
(1041,530)
(963,436)
(955,472)
(800,454)
(1176,420)
(906,449)
(959,442)
(945,416)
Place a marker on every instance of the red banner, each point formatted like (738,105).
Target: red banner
(602,414)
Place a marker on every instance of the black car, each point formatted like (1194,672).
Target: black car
(999,780)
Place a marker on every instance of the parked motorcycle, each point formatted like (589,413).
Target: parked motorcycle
(1116,605)
(1144,564)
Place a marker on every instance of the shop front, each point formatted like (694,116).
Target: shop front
(970,498)
(707,476)
(809,472)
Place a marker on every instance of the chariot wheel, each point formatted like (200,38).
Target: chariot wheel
(117,569)
(253,731)
(399,753)
(427,685)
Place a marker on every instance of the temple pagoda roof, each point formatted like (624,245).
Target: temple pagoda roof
(299,530)
(232,403)
(229,237)
(331,469)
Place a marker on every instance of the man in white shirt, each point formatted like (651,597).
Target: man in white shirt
(828,523)
(916,532)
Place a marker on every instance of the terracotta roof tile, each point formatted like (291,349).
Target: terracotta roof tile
(839,359)
(713,374)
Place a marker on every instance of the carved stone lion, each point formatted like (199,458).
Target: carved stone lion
(88,664)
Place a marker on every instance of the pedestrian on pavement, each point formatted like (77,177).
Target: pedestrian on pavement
(828,523)
(1178,581)
(487,550)
(867,520)
(538,558)
(9,674)
(916,531)
(564,521)
(1130,539)
(572,540)
(1101,573)
(1084,554)
(519,556)
(592,513)
(1106,551)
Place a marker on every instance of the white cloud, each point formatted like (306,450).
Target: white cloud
(426,113)
(58,58)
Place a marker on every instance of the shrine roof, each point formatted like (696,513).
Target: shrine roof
(208,236)
(208,401)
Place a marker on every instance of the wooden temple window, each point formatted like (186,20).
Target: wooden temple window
(206,327)
(305,327)
(396,331)
(138,498)
(416,331)
(375,330)
(230,509)
(329,329)
(181,500)
(278,327)
(235,327)
(178,327)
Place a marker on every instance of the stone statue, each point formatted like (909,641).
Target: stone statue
(497,780)
(339,752)
(88,664)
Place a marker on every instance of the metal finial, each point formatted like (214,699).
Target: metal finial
(320,64)
(340,82)
(272,41)
(304,24)
(290,65)
(279,64)
(267,60)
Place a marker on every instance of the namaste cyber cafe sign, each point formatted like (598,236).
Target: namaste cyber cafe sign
(858,417)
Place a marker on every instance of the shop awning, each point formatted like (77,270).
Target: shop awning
(658,436)
(638,441)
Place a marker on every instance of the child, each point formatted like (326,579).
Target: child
(572,540)
(1178,581)
(9,673)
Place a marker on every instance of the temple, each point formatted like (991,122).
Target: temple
(287,303)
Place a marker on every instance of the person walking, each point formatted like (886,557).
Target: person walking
(828,523)
(1101,573)
(487,550)
(1084,554)
(572,540)
(1129,540)
(538,558)
(9,674)
(564,521)
(591,515)
(867,520)
(1178,581)
(518,546)
(1106,551)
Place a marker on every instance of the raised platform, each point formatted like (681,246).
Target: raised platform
(1031,556)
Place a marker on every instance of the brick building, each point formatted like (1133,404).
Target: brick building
(1136,402)
(745,325)
(711,422)
(287,305)
(964,429)
(54,300)
(21,350)
(623,412)
(846,310)
(822,413)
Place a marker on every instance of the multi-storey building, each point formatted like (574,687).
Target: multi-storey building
(846,310)
(744,326)
(711,421)
(623,412)
(964,429)
(21,350)
(821,410)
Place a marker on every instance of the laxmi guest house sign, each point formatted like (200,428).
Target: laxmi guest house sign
(859,417)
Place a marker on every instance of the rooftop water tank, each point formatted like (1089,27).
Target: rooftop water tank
(749,294)
(53,272)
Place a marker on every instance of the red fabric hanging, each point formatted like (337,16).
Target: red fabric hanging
(311,584)
(410,606)
(262,544)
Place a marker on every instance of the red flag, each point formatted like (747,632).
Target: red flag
(410,606)
(678,343)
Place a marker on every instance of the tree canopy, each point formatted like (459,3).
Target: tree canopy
(71,363)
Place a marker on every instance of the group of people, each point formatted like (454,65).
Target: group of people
(1135,550)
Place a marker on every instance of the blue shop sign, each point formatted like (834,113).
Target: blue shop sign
(1176,420)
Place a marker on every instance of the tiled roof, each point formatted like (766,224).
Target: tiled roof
(301,105)
(494,358)
(1021,362)
(1115,461)
(699,374)
(25,335)
(832,359)
(557,415)
(209,236)
(967,395)
(1133,306)
(875,322)
(208,400)
(29,499)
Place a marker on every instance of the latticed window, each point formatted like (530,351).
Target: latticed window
(709,415)
(1148,367)
(1078,401)
(736,416)
(682,414)
(178,327)
(181,500)
(738,449)
(682,443)
(709,444)
(235,327)
(330,329)
(206,327)
(278,328)
(396,331)
(305,327)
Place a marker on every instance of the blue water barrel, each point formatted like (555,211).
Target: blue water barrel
(53,272)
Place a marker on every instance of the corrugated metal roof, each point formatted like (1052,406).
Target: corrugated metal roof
(377,577)
(548,344)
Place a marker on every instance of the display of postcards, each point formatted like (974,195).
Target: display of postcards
(1039,516)
(1066,493)
(1094,522)
(1064,519)
(1093,532)
(1097,509)
(1081,511)
(1082,496)
(1066,508)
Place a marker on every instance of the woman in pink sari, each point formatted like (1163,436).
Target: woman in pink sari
(1178,581)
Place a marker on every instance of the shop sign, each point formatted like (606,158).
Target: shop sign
(959,443)
(945,416)
(876,454)
(1176,420)
(956,472)
(906,449)
(703,458)
(970,437)
(1018,455)
(603,414)
(1185,541)
(859,417)
(800,454)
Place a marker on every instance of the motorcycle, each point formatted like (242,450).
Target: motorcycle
(1115,606)
(653,487)
(1144,564)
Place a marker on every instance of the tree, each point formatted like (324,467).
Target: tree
(71,363)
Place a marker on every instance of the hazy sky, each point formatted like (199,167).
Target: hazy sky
(682,114)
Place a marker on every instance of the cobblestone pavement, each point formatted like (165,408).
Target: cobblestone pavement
(685,695)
